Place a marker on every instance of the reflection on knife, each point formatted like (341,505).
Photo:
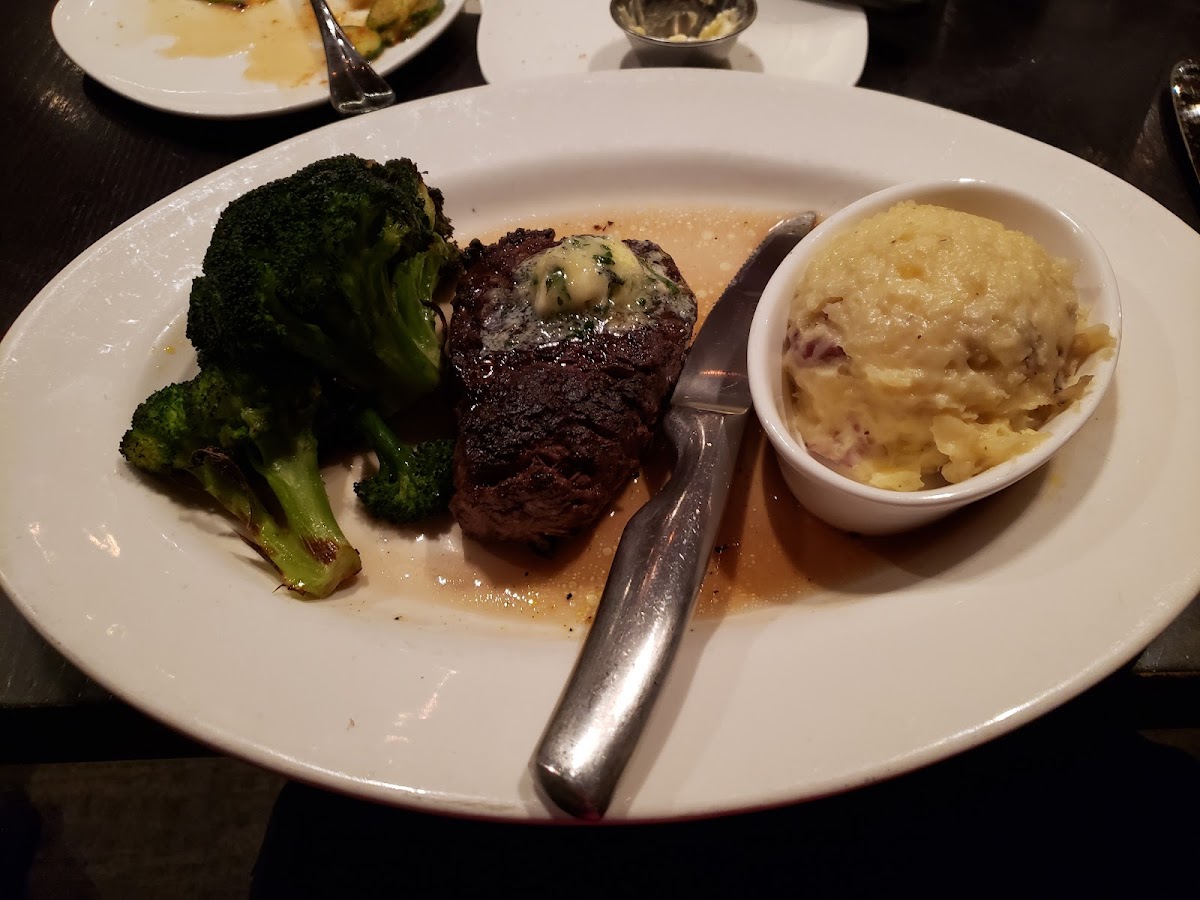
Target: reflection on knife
(1185,96)
(662,556)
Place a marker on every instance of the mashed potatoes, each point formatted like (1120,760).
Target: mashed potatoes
(926,345)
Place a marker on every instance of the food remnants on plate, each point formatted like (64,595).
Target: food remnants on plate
(926,345)
(279,38)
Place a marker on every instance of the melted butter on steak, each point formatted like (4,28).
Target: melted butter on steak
(582,284)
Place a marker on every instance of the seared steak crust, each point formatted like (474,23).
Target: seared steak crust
(549,434)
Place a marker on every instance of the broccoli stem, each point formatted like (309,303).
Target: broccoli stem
(282,547)
(412,483)
(393,456)
(249,441)
(311,567)
(309,548)
(404,334)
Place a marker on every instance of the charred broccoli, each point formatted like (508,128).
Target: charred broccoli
(247,438)
(316,300)
(337,266)
(412,482)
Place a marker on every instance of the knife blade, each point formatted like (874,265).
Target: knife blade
(662,555)
(1185,97)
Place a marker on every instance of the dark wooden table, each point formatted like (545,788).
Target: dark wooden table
(1088,76)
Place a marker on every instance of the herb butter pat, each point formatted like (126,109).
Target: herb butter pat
(585,274)
(583,285)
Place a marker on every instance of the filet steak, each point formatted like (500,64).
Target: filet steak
(555,413)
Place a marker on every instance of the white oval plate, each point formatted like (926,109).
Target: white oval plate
(974,628)
(109,40)
(816,41)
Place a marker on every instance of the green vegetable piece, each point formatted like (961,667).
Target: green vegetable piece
(398,20)
(367,41)
(412,483)
(384,13)
(247,439)
(332,269)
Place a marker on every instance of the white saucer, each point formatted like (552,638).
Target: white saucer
(814,41)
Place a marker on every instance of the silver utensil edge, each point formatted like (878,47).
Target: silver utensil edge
(1185,97)
(354,86)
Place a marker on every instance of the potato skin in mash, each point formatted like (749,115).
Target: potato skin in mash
(926,345)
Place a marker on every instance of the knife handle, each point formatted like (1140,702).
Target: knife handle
(647,601)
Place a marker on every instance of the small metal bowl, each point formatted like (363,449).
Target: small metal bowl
(667,32)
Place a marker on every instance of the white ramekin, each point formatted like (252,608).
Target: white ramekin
(862,508)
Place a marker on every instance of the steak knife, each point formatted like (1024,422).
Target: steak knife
(1185,96)
(662,555)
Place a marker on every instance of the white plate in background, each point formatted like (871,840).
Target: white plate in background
(970,628)
(110,40)
(794,38)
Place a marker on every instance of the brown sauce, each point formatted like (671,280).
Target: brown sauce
(768,549)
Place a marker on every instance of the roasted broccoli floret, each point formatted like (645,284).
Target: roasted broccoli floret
(248,440)
(414,482)
(336,265)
